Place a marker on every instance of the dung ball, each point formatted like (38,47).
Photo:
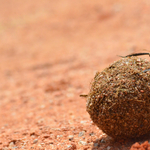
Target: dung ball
(119,98)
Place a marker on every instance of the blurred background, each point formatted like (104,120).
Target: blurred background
(93,32)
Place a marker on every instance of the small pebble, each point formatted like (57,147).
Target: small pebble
(35,141)
(69,146)
(95,144)
(83,142)
(11,143)
(59,136)
(81,133)
(83,122)
(108,147)
(91,134)
(103,141)
(70,137)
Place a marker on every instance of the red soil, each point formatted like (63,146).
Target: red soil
(49,53)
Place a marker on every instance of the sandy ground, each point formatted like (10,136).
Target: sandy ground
(49,53)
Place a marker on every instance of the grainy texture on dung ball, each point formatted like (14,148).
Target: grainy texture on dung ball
(119,99)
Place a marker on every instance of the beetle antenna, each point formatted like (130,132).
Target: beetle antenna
(135,54)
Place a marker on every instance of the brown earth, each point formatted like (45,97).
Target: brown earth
(49,53)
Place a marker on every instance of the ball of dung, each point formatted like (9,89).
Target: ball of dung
(119,98)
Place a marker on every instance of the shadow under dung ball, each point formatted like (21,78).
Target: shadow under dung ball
(119,98)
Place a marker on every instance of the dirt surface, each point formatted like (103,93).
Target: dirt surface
(49,53)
